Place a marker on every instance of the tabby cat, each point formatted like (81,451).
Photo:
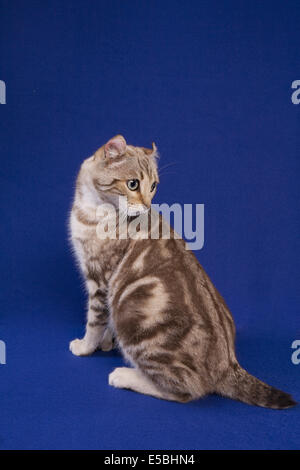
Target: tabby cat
(152,296)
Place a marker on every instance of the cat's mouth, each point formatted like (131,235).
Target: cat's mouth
(134,211)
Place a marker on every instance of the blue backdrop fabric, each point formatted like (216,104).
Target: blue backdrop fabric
(210,83)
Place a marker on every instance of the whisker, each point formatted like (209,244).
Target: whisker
(168,173)
(167,166)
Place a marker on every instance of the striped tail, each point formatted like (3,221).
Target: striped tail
(240,385)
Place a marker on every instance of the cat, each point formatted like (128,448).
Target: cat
(152,296)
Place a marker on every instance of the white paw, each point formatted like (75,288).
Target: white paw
(119,377)
(79,348)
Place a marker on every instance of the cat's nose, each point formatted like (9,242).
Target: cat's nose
(147,203)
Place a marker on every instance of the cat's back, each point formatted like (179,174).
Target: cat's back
(159,276)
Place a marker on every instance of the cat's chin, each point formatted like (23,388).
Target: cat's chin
(136,213)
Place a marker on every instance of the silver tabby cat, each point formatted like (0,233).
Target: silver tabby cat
(151,295)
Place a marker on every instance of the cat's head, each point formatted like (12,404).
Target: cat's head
(117,169)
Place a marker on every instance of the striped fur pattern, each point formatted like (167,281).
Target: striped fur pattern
(152,297)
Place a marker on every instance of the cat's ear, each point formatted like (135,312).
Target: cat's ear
(154,150)
(151,152)
(115,147)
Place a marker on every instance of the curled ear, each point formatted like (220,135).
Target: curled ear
(115,147)
(153,152)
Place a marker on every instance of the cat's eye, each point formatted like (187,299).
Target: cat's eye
(133,185)
(153,186)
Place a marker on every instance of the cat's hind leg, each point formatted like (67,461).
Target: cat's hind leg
(133,379)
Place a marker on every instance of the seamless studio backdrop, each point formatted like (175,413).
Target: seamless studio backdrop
(210,83)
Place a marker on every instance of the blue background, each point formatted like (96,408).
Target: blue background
(210,83)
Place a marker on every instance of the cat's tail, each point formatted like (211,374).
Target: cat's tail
(240,385)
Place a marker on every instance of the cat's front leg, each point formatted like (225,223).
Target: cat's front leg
(107,342)
(97,334)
